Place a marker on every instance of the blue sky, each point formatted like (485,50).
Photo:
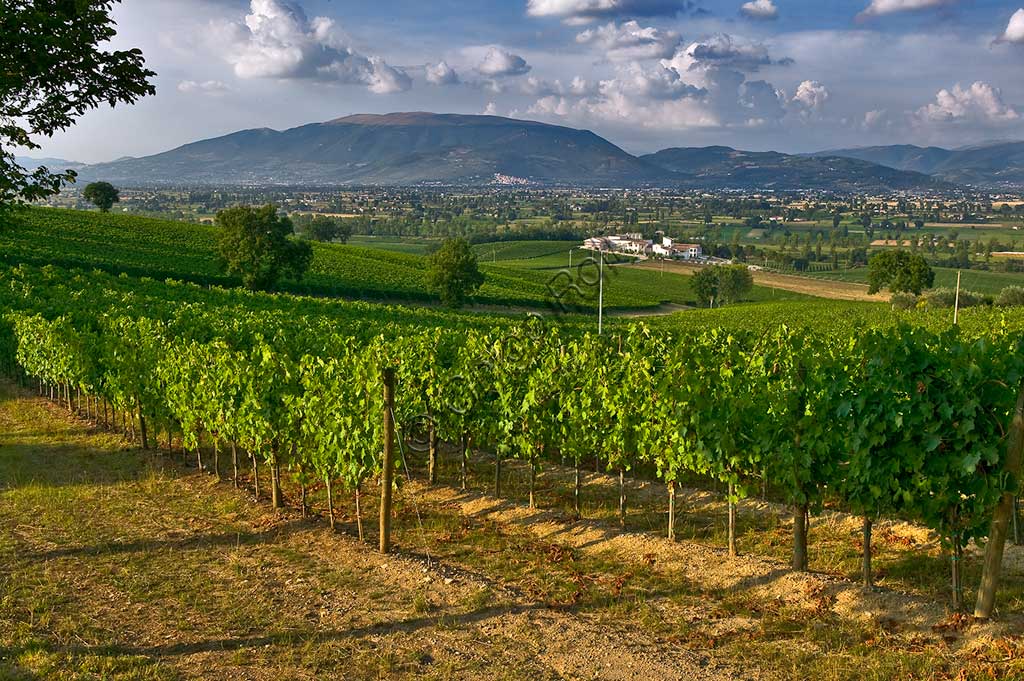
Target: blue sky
(791,75)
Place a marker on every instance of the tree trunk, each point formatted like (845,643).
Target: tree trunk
(956,575)
(330,499)
(465,460)
(276,497)
(359,512)
(533,482)
(234,463)
(997,533)
(255,474)
(800,538)
(302,497)
(732,521)
(432,453)
(497,473)
(199,456)
(216,457)
(869,581)
(386,482)
(577,492)
(143,431)
(1016,521)
(672,510)
(622,497)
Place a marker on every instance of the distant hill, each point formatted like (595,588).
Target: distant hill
(990,165)
(727,168)
(393,149)
(426,148)
(54,164)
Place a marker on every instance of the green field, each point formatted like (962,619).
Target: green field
(140,246)
(980,281)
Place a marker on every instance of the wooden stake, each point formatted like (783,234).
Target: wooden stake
(387,474)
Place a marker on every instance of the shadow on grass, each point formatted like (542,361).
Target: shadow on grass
(195,543)
(25,464)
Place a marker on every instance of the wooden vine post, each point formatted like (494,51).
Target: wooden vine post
(1001,517)
(388,468)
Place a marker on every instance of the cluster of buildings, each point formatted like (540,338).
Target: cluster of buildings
(636,244)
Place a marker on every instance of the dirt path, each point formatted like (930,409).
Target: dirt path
(836,290)
(122,563)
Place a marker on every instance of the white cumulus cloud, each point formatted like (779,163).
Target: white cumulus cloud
(879,8)
(1014,32)
(276,40)
(206,87)
(811,96)
(538,87)
(979,103)
(631,41)
(586,11)
(441,74)
(760,9)
(498,63)
(724,51)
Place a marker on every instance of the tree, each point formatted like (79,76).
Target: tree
(103,195)
(454,273)
(53,71)
(704,285)
(254,245)
(322,228)
(722,283)
(734,282)
(899,271)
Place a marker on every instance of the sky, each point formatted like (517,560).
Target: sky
(785,75)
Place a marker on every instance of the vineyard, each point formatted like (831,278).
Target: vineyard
(385,419)
(889,419)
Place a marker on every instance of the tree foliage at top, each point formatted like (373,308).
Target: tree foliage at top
(254,245)
(454,274)
(52,70)
(900,272)
(103,195)
(721,284)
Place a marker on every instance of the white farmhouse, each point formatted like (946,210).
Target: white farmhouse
(629,244)
(669,249)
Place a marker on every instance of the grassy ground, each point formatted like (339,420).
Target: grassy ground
(122,564)
(973,280)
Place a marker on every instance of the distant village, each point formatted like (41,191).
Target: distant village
(635,244)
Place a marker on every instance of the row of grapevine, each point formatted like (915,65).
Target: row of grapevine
(896,420)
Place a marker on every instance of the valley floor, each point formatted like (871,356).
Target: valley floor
(117,563)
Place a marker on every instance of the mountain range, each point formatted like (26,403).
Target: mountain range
(424,148)
(992,165)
